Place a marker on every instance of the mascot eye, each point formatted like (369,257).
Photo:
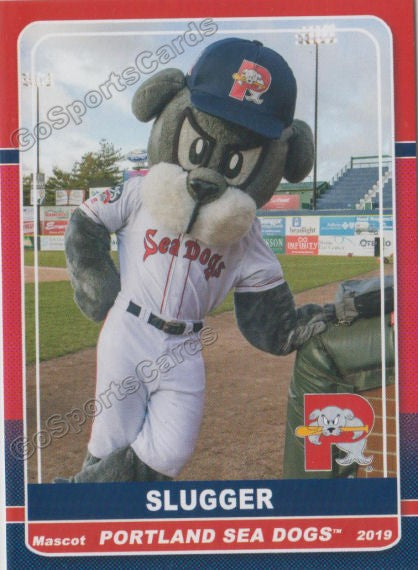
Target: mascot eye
(239,165)
(234,165)
(193,146)
(198,151)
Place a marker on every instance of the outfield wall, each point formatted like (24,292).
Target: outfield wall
(53,222)
(290,235)
(326,235)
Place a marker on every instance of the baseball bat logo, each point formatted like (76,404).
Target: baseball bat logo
(250,82)
(343,420)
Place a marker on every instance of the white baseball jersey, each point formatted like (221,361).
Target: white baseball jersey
(176,276)
(151,399)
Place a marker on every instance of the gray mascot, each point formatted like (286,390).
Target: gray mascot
(222,139)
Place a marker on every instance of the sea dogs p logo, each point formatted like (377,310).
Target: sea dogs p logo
(111,195)
(343,420)
(251,81)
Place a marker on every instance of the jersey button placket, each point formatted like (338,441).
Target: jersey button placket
(171,281)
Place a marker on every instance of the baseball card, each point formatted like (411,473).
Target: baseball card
(208,284)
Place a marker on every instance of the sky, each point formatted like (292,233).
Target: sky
(355,100)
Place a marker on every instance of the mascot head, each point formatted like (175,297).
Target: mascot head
(223,137)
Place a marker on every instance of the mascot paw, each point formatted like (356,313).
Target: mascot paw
(306,330)
(120,466)
(62,480)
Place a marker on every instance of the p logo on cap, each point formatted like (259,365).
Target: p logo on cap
(245,83)
(251,80)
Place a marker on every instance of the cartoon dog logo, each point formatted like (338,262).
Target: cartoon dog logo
(333,421)
(111,195)
(251,81)
(343,420)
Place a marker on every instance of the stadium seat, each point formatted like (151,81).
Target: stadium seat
(356,189)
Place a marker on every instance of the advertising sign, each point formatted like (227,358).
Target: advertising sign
(302,245)
(272,226)
(28,220)
(388,222)
(388,249)
(337,225)
(53,227)
(353,225)
(61,197)
(52,242)
(54,220)
(28,242)
(283,202)
(75,197)
(302,225)
(359,245)
(365,244)
(371,223)
(276,243)
(337,245)
(55,242)
(366,225)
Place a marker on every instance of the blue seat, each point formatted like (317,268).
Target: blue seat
(351,187)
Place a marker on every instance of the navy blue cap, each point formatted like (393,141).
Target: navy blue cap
(245,83)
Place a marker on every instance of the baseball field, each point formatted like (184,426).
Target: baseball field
(242,434)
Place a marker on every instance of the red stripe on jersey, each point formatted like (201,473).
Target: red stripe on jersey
(184,288)
(166,281)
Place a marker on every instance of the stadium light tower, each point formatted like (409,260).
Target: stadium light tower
(40,80)
(316,36)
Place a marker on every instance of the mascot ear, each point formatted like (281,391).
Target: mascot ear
(153,95)
(348,414)
(300,154)
(314,414)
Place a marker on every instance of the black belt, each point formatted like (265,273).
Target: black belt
(169,327)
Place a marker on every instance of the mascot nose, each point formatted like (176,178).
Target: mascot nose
(205,185)
(203,190)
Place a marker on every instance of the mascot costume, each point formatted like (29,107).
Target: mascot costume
(223,137)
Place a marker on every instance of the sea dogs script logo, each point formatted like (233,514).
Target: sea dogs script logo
(251,81)
(190,250)
(343,420)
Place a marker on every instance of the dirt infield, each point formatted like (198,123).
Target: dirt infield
(242,434)
(46,274)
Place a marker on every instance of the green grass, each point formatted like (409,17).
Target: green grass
(63,328)
(316,270)
(52,258)
(45,258)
